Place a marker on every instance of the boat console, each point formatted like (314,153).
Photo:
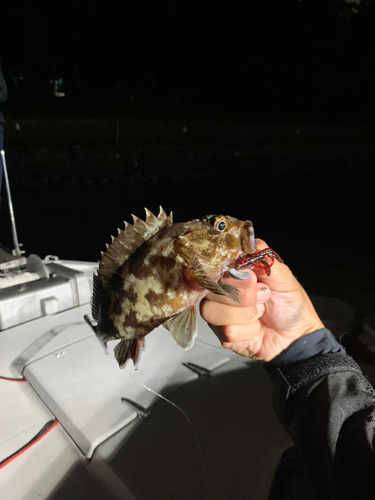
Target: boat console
(31,288)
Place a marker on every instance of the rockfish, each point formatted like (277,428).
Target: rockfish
(154,273)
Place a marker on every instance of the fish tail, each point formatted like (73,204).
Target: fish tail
(129,349)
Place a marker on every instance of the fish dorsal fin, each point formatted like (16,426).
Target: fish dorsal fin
(127,241)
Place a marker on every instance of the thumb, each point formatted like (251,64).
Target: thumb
(280,278)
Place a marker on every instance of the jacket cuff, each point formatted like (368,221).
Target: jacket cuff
(319,342)
(290,378)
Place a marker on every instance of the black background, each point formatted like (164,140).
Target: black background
(260,110)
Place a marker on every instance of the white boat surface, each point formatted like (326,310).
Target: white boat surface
(57,379)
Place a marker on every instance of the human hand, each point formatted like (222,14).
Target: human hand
(273,312)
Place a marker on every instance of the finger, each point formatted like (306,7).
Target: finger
(222,314)
(233,334)
(280,275)
(245,349)
(260,244)
(263,293)
(250,281)
(248,296)
(260,309)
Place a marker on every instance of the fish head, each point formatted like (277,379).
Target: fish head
(217,240)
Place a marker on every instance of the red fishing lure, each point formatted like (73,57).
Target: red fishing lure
(263,259)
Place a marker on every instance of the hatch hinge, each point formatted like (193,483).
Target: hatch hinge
(142,412)
(202,372)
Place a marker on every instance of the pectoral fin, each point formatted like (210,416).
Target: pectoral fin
(204,280)
(183,327)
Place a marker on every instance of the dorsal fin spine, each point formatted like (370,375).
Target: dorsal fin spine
(150,217)
(162,215)
(128,240)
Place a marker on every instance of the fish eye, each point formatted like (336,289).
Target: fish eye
(220,225)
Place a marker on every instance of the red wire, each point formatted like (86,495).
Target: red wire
(23,379)
(45,430)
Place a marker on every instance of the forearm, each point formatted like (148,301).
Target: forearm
(328,408)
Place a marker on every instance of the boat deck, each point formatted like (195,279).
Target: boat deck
(107,435)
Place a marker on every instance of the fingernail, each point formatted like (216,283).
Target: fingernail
(261,293)
(260,308)
(239,275)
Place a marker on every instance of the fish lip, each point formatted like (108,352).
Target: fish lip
(248,238)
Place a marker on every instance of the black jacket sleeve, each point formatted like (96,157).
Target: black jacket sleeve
(328,407)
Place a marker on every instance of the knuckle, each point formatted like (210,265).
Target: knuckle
(228,332)
(260,244)
(247,297)
(211,312)
(205,308)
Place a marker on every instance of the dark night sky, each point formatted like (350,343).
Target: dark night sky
(277,60)
(279,101)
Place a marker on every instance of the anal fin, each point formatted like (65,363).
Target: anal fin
(183,327)
(129,349)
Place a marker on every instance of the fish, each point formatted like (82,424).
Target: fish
(156,271)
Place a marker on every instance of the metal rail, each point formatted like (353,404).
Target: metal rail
(17,251)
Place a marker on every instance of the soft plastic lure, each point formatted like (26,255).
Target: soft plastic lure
(263,259)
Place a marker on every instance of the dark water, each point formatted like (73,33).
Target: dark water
(321,221)
(313,212)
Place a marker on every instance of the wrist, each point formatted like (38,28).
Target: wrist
(287,338)
(309,322)
(320,341)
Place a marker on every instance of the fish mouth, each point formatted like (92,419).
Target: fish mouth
(248,238)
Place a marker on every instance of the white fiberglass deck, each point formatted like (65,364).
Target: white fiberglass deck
(89,454)
(84,388)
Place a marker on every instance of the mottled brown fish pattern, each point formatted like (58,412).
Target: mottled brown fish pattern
(154,273)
